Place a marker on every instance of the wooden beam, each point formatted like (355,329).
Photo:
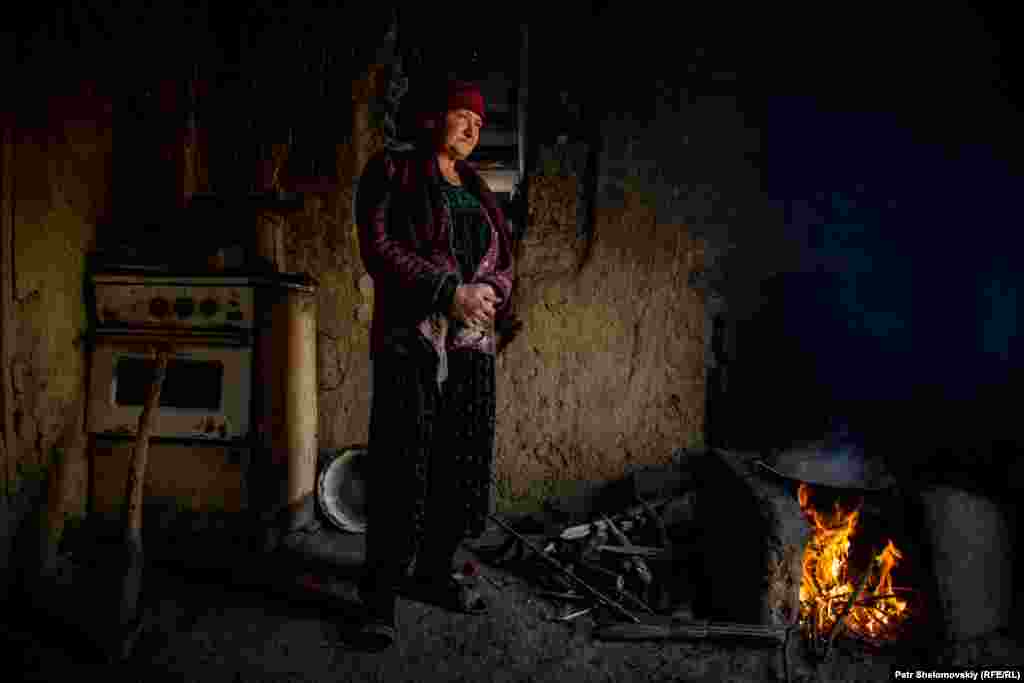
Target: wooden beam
(8,460)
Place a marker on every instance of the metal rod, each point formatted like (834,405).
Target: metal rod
(573,615)
(603,599)
(490,580)
(692,630)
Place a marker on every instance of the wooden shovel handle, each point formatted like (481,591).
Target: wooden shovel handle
(137,467)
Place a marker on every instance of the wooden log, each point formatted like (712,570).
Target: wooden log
(131,581)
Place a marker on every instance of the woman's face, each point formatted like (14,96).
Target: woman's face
(461,132)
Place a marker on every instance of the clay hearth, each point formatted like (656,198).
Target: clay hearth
(755,537)
(752,545)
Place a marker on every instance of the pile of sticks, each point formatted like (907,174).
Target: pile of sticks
(625,567)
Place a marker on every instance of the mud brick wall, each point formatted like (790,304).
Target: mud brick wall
(609,368)
(57,155)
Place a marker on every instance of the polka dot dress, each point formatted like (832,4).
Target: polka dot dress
(432,451)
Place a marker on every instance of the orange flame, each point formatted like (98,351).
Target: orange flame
(827,586)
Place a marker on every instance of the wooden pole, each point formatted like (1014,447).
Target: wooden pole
(131,582)
(296,419)
(7,443)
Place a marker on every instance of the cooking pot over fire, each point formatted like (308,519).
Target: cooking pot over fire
(836,461)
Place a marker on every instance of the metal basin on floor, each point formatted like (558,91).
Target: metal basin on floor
(341,488)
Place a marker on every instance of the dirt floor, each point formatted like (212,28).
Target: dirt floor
(200,630)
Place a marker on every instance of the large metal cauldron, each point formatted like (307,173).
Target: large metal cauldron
(837,461)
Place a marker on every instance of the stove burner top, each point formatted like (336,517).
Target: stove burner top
(150,298)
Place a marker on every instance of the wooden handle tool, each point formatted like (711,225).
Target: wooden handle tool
(131,582)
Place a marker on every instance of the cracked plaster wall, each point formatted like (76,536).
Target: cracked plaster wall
(608,371)
(60,191)
(60,160)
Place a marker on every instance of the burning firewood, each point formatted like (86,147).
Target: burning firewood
(830,601)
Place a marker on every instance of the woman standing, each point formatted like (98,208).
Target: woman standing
(439,250)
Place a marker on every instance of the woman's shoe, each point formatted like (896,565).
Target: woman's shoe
(448,593)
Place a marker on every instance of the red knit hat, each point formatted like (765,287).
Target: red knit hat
(458,95)
(465,95)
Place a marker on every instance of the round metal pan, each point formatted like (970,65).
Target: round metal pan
(341,490)
(843,466)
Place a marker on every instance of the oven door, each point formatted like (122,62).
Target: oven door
(205,394)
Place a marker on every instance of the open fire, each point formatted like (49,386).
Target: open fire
(841,581)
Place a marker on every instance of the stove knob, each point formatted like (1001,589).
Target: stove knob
(159,307)
(184,307)
(208,307)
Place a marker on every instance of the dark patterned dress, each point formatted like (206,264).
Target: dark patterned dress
(431,472)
